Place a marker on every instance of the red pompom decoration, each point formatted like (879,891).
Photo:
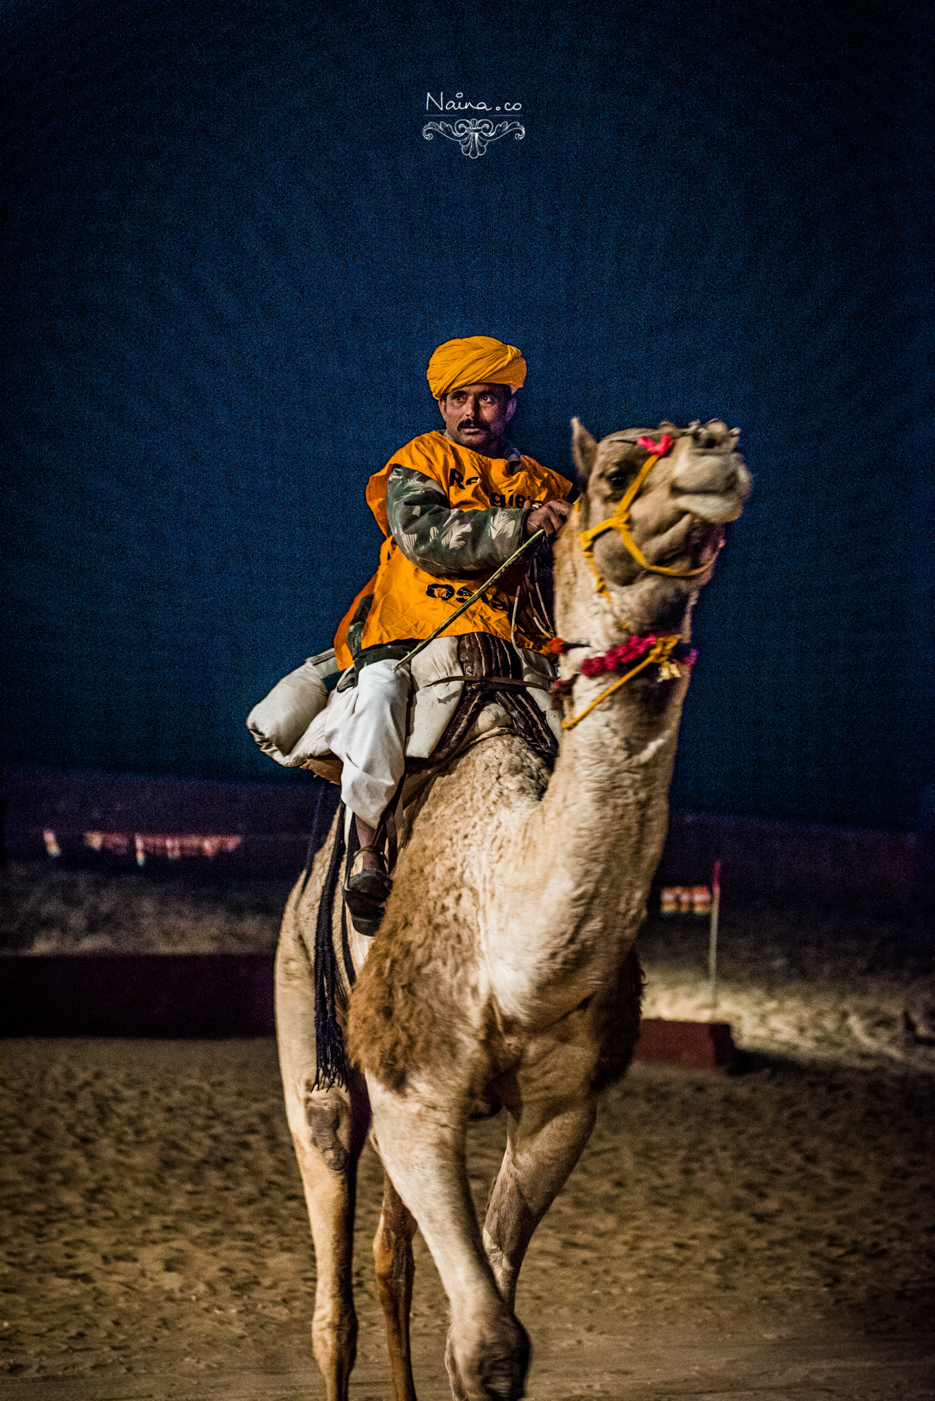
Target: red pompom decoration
(658,449)
(619,657)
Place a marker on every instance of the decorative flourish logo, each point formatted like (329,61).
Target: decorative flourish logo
(473,136)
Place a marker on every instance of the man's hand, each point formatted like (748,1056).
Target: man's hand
(549,517)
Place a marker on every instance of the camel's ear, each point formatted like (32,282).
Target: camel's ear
(667,427)
(583,450)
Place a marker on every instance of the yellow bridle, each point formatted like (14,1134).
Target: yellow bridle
(620,521)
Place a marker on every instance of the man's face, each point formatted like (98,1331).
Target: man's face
(476,415)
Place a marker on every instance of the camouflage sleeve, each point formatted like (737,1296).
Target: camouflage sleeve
(355,630)
(441,539)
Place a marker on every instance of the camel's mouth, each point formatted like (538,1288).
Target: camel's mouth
(715,507)
(713,486)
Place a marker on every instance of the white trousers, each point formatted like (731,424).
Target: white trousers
(366,729)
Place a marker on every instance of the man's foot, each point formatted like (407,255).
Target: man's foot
(367,889)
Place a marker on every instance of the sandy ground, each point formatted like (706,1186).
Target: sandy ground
(47,909)
(829,986)
(765,1235)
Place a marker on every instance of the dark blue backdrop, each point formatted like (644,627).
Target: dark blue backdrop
(231,252)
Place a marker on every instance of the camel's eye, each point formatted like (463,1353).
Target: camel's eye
(618,480)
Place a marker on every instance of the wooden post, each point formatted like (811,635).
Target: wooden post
(712,936)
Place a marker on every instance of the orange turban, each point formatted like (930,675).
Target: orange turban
(474,360)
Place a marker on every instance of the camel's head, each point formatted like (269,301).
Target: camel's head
(676,518)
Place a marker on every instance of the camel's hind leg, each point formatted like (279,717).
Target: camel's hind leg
(392,1253)
(329,1129)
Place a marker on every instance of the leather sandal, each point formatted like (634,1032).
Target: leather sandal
(366,892)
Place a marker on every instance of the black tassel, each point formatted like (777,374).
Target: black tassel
(330,1052)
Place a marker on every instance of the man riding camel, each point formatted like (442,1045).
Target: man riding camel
(454,505)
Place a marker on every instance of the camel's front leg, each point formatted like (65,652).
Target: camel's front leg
(392,1253)
(329,1129)
(423,1150)
(543,1145)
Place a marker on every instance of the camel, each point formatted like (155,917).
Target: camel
(504,972)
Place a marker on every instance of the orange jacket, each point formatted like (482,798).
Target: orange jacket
(409,602)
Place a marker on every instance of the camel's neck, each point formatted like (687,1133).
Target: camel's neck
(591,847)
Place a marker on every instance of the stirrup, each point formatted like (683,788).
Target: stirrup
(366,893)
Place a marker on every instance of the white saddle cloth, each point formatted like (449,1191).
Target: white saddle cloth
(300,724)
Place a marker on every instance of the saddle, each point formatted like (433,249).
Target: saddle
(493,675)
(465,689)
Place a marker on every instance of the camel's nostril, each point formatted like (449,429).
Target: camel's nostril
(711,434)
(704,438)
